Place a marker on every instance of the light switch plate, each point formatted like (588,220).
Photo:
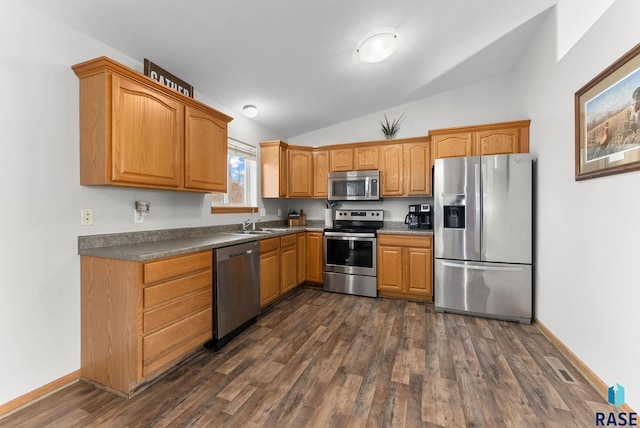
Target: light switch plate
(263,212)
(137,217)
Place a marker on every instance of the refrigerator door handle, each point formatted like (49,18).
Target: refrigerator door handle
(478,208)
(474,267)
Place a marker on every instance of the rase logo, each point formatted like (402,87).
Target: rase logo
(615,396)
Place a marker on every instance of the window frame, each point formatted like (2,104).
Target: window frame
(249,152)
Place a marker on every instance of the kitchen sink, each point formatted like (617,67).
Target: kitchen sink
(251,232)
(275,229)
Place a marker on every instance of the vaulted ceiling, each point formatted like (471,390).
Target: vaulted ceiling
(296,59)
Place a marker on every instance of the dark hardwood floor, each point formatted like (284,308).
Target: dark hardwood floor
(332,360)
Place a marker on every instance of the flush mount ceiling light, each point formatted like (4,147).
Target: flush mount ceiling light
(377,47)
(250,110)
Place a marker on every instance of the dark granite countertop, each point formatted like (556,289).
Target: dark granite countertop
(149,245)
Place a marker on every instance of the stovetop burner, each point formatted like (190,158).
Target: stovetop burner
(357,221)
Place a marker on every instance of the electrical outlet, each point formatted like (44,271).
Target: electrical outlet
(86,216)
(263,212)
(279,212)
(137,216)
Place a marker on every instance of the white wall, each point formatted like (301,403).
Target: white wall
(588,281)
(480,102)
(42,198)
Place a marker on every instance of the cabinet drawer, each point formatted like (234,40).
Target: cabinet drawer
(174,311)
(165,292)
(166,345)
(270,244)
(175,266)
(405,240)
(288,240)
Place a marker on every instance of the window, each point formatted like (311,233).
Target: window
(242,181)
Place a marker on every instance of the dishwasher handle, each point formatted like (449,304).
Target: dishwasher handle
(240,254)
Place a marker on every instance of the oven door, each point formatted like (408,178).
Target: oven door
(350,253)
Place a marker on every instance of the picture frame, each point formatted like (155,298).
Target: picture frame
(607,120)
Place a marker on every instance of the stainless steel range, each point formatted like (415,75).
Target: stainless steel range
(350,253)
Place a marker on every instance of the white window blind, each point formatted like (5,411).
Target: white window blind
(238,148)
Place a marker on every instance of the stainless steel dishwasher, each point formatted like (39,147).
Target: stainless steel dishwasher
(236,290)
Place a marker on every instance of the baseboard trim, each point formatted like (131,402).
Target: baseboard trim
(38,394)
(591,377)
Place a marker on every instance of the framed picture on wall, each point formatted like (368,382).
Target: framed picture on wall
(607,120)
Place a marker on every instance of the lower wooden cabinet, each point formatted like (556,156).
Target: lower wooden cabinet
(282,265)
(269,270)
(288,263)
(140,318)
(405,266)
(314,255)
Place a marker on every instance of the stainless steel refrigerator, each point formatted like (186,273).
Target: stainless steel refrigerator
(483,231)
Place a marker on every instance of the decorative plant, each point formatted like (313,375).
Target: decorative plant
(390,129)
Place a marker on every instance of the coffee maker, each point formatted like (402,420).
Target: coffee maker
(419,217)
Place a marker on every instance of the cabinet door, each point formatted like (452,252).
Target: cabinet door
(391,170)
(205,151)
(273,169)
(301,172)
(314,257)
(320,173)
(366,158)
(341,160)
(288,263)
(419,265)
(302,257)
(147,135)
(452,145)
(390,268)
(498,142)
(417,169)
(269,270)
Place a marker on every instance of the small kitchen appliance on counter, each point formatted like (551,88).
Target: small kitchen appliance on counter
(350,259)
(419,217)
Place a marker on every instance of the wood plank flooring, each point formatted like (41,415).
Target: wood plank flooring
(330,360)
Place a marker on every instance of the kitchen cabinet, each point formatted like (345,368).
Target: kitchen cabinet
(269,270)
(315,264)
(365,157)
(300,171)
(140,318)
(320,173)
(417,168)
(341,159)
(205,151)
(405,265)
(391,170)
(301,263)
(480,140)
(405,168)
(288,263)
(137,132)
(274,169)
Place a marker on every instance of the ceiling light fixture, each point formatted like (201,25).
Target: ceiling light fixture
(250,110)
(377,47)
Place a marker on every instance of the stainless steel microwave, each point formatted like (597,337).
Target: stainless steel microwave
(354,186)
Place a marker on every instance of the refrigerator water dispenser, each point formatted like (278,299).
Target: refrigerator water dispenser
(454,216)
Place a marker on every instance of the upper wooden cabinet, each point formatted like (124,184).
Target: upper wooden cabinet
(273,169)
(405,168)
(341,159)
(205,151)
(301,171)
(137,132)
(404,164)
(320,173)
(365,157)
(480,140)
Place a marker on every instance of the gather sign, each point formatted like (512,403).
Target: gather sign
(161,75)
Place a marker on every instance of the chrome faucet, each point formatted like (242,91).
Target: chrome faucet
(250,222)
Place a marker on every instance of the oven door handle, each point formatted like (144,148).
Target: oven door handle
(351,236)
